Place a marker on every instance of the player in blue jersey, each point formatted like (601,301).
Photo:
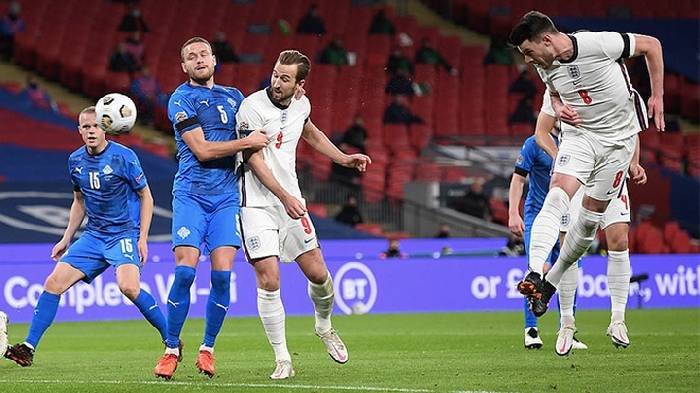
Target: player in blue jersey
(107,178)
(536,163)
(205,197)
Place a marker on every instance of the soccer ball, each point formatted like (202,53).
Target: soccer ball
(116,113)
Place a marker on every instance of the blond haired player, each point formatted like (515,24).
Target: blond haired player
(601,115)
(274,221)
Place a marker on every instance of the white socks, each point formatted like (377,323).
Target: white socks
(322,297)
(272,316)
(619,273)
(567,292)
(545,228)
(576,243)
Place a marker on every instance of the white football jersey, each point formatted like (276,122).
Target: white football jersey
(284,127)
(594,82)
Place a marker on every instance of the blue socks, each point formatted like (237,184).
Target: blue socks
(530,318)
(179,303)
(148,307)
(44,313)
(217,305)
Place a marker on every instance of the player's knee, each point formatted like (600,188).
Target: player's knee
(55,285)
(130,290)
(617,241)
(558,196)
(318,276)
(267,280)
(589,219)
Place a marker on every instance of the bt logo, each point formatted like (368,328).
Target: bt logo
(355,287)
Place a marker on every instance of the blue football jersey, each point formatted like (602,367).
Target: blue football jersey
(214,110)
(536,163)
(109,182)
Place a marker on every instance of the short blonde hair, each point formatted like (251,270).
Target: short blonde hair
(192,41)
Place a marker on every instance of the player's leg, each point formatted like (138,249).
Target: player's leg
(573,165)
(301,244)
(223,239)
(616,225)
(606,183)
(3,334)
(128,279)
(532,334)
(187,230)
(259,229)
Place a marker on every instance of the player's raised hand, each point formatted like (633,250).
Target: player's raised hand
(143,250)
(516,225)
(295,209)
(359,161)
(656,111)
(257,140)
(639,175)
(59,249)
(568,115)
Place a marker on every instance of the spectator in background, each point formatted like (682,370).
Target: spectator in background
(399,113)
(311,22)
(524,112)
(350,213)
(334,53)
(400,83)
(133,21)
(499,52)
(427,54)
(381,24)
(223,50)
(515,247)
(122,61)
(393,251)
(146,90)
(398,61)
(475,202)
(10,24)
(443,231)
(37,96)
(134,46)
(524,85)
(355,136)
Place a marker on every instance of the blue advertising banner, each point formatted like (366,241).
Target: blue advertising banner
(362,285)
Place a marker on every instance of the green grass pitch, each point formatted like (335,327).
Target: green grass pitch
(466,352)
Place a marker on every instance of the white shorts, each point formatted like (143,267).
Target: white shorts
(269,231)
(602,169)
(618,210)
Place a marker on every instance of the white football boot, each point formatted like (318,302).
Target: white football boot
(579,344)
(618,334)
(565,340)
(283,370)
(532,338)
(334,345)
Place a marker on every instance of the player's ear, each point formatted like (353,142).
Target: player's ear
(183,67)
(301,82)
(214,59)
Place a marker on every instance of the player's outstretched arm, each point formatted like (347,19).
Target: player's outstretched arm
(319,141)
(75,218)
(295,209)
(515,193)
(146,215)
(650,48)
(206,150)
(545,124)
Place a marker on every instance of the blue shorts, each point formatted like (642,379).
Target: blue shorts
(211,220)
(92,254)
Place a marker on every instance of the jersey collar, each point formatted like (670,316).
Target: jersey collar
(574,55)
(100,153)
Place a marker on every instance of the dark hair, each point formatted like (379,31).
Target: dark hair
(291,57)
(530,27)
(192,41)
